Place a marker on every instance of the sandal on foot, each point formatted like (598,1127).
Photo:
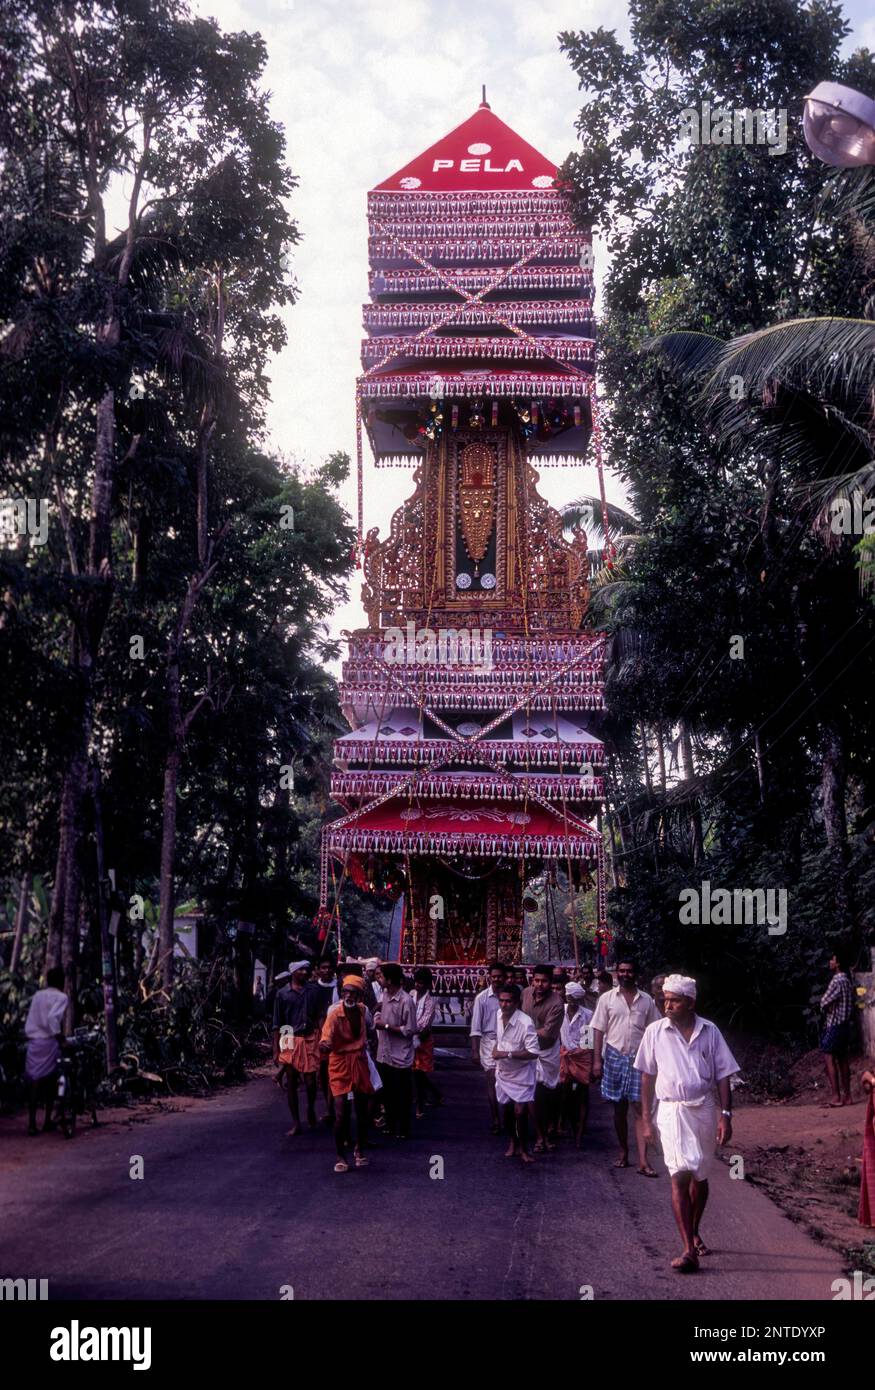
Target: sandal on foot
(648,1172)
(685,1264)
(361,1161)
(700,1246)
(341,1166)
(621,1163)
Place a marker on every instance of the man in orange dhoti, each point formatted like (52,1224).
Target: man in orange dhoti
(344,1043)
(298,1010)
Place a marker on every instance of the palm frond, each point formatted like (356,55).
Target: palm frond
(834,498)
(851,193)
(689,352)
(831,358)
(587,512)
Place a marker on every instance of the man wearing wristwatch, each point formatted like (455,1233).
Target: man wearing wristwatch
(684,1058)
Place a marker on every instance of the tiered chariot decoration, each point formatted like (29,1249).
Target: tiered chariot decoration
(474,692)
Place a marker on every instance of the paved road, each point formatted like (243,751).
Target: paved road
(229,1208)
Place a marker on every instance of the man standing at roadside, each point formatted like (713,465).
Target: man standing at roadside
(483,1033)
(43,1028)
(837,1007)
(618,1024)
(546,1009)
(395,1022)
(684,1059)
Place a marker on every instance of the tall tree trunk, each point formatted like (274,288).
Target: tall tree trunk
(22,918)
(650,820)
(689,771)
(660,749)
(167,904)
(832,783)
(645,757)
(177,724)
(609,820)
(761,766)
(92,607)
(107,958)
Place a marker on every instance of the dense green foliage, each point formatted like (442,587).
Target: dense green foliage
(163,645)
(758,769)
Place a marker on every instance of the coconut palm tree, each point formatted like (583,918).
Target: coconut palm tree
(800,393)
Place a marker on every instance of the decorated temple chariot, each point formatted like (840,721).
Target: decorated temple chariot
(474,763)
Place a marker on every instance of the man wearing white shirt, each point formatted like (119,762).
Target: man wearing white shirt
(683,1059)
(483,1032)
(43,1029)
(516,1055)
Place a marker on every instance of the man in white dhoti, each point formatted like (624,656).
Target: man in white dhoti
(685,1058)
(516,1065)
(483,1029)
(43,1028)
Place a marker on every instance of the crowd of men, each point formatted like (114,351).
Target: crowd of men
(541,1042)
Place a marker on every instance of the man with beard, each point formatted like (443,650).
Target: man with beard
(483,1032)
(344,1046)
(546,1010)
(620,1017)
(683,1059)
(516,1062)
(298,1011)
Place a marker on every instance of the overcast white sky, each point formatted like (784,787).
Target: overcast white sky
(361,87)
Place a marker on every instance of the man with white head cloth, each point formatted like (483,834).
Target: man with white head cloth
(684,1059)
(575,1062)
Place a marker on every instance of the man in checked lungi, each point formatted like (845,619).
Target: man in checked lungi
(298,1011)
(620,1018)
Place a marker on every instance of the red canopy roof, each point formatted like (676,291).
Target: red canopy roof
(445,828)
(481,154)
